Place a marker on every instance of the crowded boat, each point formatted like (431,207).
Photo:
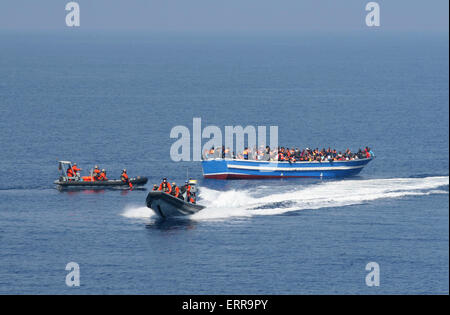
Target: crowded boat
(286,154)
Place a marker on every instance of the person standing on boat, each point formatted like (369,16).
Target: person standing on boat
(186,189)
(125,179)
(245,153)
(165,186)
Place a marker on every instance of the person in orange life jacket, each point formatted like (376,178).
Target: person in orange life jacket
(190,197)
(69,172)
(287,155)
(367,152)
(125,179)
(96,172)
(176,191)
(280,156)
(184,188)
(102,175)
(73,171)
(165,186)
(76,169)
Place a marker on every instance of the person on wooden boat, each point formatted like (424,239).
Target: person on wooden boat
(165,186)
(102,176)
(245,153)
(281,154)
(211,153)
(125,179)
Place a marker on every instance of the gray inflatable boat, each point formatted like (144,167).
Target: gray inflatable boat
(166,205)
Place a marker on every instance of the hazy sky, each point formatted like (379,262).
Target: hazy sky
(225,15)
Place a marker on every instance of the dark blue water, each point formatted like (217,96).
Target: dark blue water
(112,99)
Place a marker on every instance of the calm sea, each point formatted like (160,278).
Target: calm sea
(112,99)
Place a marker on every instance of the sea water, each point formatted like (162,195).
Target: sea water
(111,99)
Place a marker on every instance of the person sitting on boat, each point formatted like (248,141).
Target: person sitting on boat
(176,191)
(155,187)
(69,173)
(102,175)
(368,152)
(73,171)
(165,186)
(125,179)
(96,172)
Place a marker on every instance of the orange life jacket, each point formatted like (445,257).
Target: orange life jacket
(165,187)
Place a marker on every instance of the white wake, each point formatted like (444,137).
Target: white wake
(264,201)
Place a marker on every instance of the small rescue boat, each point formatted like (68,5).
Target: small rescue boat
(87,182)
(165,205)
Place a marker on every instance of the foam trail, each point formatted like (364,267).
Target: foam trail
(264,200)
(137,212)
(242,203)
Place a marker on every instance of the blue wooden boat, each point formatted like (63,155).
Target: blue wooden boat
(248,169)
